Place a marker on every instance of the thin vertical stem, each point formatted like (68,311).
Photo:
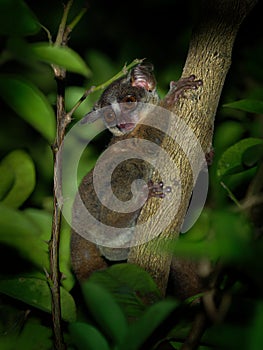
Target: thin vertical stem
(62,122)
(56,222)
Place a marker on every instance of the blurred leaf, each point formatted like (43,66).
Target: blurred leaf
(139,331)
(42,219)
(73,94)
(17,19)
(252,155)
(105,311)
(68,279)
(7,342)
(247,105)
(7,179)
(36,292)
(227,336)
(132,287)
(199,231)
(228,238)
(61,56)
(29,103)
(231,161)
(16,230)
(85,336)
(232,235)
(226,134)
(102,67)
(19,167)
(20,50)
(34,336)
(256,335)
(230,193)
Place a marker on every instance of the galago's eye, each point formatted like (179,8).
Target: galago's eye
(129,102)
(109,116)
(129,98)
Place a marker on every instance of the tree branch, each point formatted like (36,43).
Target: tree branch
(209,58)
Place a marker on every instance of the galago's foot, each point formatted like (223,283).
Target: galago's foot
(158,190)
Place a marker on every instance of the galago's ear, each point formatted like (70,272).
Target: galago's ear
(91,116)
(142,76)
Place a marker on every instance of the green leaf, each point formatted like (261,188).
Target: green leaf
(19,232)
(247,105)
(17,19)
(256,335)
(34,336)
(229,239)
(29,103)
(101,65)
(19,168)
(7,179)
(105,311)
(139,331)
(132,287)
(36,292)
(64,257)
(85,336)
(227,133)
(232,235)
(253,155)
(61,56)
(19,49)
(42,219)
(231,161)
(227,336)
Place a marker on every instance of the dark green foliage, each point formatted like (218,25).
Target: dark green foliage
(239,157)
(247,105)
(85,336)
(110,318)
(131,286)
(34,291)
(27,101)
(17,178)
(17,19)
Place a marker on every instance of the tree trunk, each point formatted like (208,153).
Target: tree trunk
(209,59)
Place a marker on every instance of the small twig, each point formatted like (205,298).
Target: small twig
(83,98)
(63,23)
(231,195)
(216,313)
(48,33)
(252,201)
(92,89)
(124,71)
(73,24)
(76,20)
(192,341)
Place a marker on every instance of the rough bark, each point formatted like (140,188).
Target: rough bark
(209,58)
